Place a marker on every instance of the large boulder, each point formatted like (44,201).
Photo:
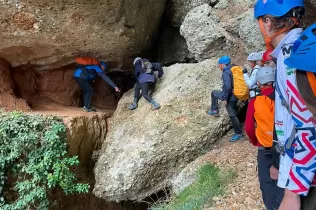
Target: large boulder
(204,33)
(144,149)
(48,34)
(247,29)
(178,9)
(224,4)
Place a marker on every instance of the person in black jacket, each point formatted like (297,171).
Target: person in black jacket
(226,95)
(145,78)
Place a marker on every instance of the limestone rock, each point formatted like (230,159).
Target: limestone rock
(247,29)
(223,4)
(144,149)
(48,34)
(203,33)
(178,9)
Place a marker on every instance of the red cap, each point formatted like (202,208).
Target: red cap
(267,56)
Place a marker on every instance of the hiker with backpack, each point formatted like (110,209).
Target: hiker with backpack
(254,60)
(301,59)
(259,127)
(86,72)
(227,96)
(280,24)
(145,79)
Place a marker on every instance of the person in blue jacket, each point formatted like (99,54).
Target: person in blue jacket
(85,75)
(226,95)
(145,78)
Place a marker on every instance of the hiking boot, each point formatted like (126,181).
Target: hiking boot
(93,109)
(86,109)
(235,137)
(155,105)
(213,112)
(132,106)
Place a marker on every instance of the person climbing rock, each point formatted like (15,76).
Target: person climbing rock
(306,84)
(86,72)
(226,95)
(280,24)
(259,127)
(145,79)
(268,60)
(254,60)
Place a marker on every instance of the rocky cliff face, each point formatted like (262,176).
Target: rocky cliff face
(48,34)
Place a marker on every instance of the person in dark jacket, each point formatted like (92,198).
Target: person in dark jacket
(85,75)
(226,95)
(145,79)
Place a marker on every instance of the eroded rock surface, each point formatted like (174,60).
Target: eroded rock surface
(178,9)
(204,34)
(145,148)
(8,99)
(43,32)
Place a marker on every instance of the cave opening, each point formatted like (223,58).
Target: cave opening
(55,90)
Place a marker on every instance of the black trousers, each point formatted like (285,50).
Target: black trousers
(87,91)
(309,202)
(272,195)
(145,88)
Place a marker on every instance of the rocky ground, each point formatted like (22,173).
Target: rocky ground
(243,192)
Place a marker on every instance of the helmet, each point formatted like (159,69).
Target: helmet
(136,59)
(276,8)
(265,74)
(255,56)
(304,51)
(224,60)
(267,56)
(102,63)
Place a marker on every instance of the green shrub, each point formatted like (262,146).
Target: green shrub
(210,183)
(33,161)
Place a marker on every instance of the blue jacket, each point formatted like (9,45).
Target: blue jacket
(228,84)
(91,73)
(143,77)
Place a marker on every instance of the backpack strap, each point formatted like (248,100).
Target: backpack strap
(287,106)
(283,101)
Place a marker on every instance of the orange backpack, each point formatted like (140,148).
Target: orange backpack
(86,61)
(241,90)
(264,117)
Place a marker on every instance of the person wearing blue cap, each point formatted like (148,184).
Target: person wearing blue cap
(84,75)
(226,95)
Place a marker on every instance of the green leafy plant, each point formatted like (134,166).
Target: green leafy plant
(33,161)
(210,183)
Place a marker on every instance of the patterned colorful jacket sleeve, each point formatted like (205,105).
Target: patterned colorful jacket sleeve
(303,151)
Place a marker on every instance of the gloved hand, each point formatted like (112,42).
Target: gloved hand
(244,71)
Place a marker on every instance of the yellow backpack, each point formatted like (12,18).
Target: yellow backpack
(264,117)
(241,90)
